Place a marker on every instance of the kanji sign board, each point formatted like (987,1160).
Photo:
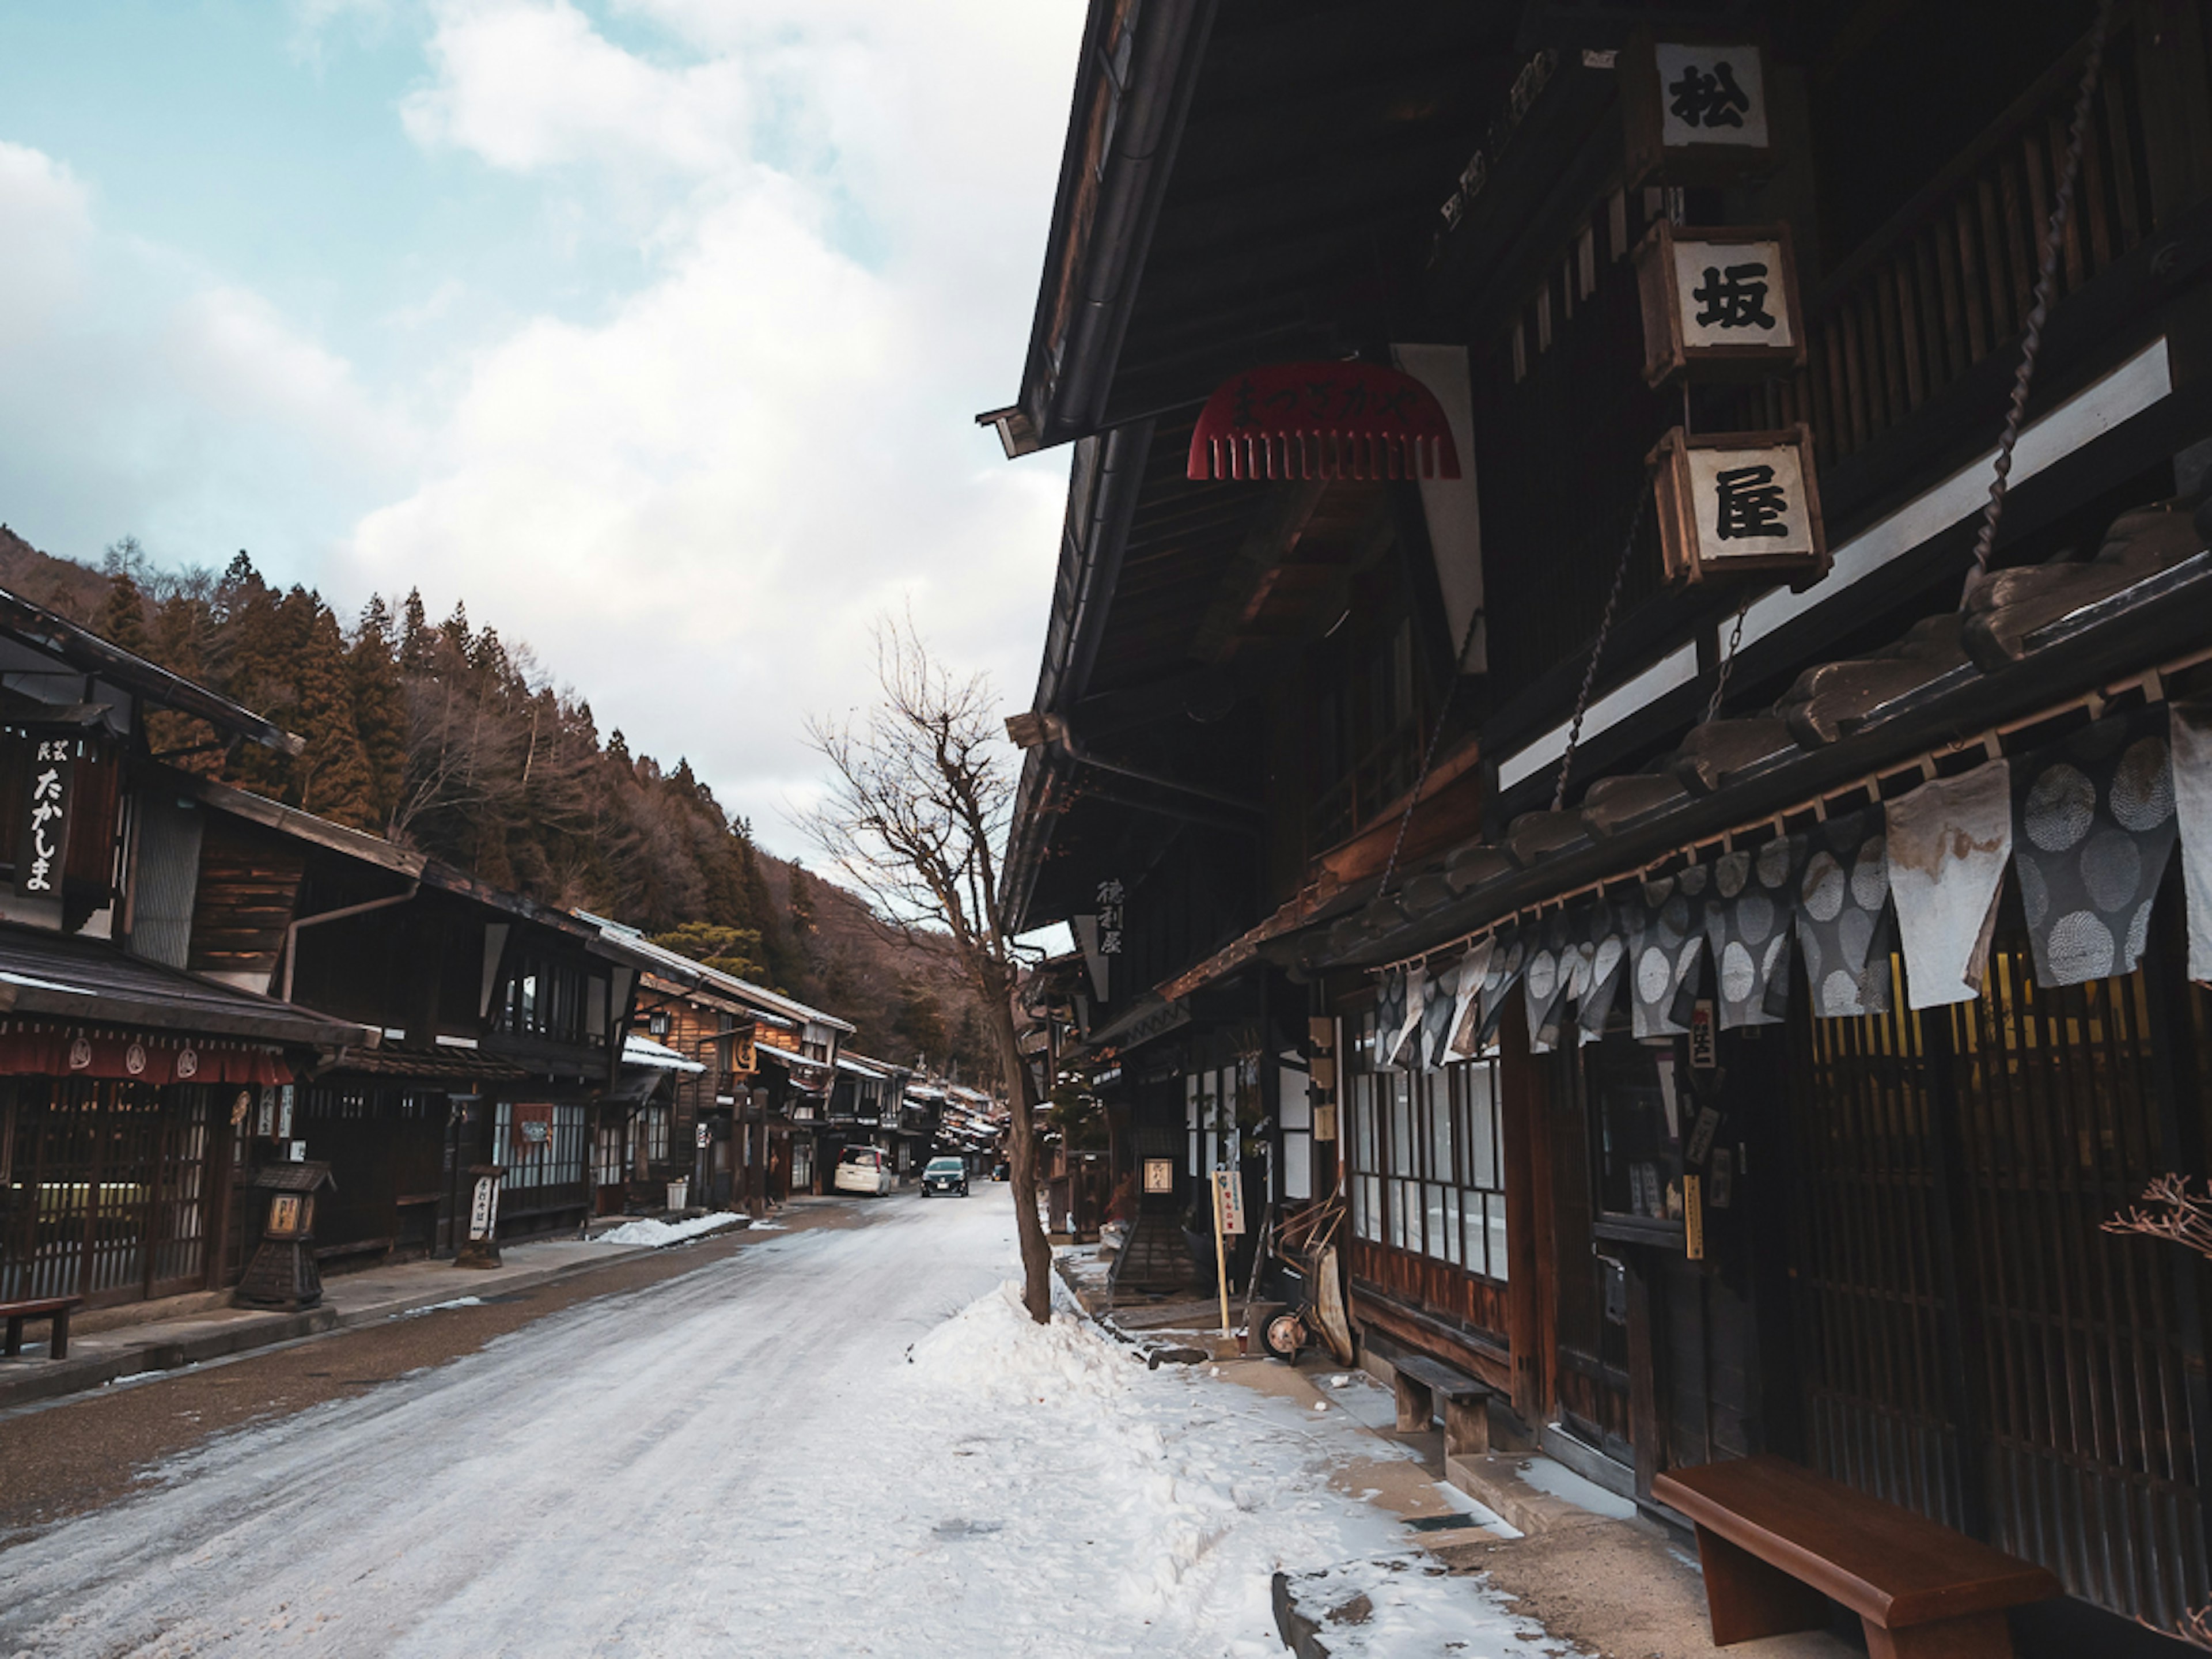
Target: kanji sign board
(1718,302)
(1229,1196)
(1740,504)
(1694,111)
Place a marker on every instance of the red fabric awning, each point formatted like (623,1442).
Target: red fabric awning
(1323,421)
(56,1051)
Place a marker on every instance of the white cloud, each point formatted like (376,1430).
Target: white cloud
(792,245)
(144,396)
(46,225)
(530,86)
(697,506)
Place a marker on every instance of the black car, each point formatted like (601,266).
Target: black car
(945,1175)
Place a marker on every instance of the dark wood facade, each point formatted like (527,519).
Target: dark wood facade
(1253,724)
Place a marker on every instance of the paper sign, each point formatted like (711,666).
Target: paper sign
(1229,1191)
(1159,1175)
(1694,1219)
(1701,1055)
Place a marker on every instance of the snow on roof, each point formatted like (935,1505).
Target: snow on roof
(713,978)
(861,1068)
(644,1051)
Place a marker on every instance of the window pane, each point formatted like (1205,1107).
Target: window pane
(1372,1186)
(1434,1197)
(1482,1129)
(1401,1125)
(1495,1203)
(1400,1203)
(1453,1253)
(1473,1232)
(1440,1128)
(1356,1192)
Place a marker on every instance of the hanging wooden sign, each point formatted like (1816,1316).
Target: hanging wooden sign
(1694,113)
(1718,302)
(1740,504)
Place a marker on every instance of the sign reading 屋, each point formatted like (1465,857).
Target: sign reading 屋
(1740,504)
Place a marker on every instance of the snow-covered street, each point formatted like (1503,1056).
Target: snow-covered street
(837,1441)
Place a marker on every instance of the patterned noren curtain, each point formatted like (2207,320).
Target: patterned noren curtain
(1405,1043)
(1845,924)
(2094,827)
(1546,983)
(2192,732)
(1669,945)
(1747,930)
(1437,1012)
(1466,1042)
(1499,981)
(1949,842)
(1609,959)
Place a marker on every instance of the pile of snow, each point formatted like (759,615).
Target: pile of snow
(1180,1495)
(660,1233)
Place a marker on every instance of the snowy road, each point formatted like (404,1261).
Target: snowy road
(745,1459)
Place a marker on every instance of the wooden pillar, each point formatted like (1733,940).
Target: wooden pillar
(1528,1240)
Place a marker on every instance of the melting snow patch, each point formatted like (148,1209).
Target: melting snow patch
(657,1234)
(439,1306)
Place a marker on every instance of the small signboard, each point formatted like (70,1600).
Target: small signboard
(484,1206)
(1159,1175)
(1719,302)
(1702,1057)
(1694,113)
(1740,504)
(1693,1219)
(702,1136)
(1228,1193)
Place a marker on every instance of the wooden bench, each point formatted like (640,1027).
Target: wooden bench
(1777,1542)
(1421,1381)
(54,1310)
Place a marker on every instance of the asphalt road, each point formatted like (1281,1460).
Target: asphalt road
(590,1468)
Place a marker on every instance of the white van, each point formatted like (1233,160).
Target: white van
(863,1170)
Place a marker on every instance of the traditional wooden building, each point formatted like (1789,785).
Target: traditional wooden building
(744,1125)
(1513,749)
(497,1022)
(138,1084)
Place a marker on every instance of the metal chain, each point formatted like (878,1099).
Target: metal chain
(1428,757)
(1728,666)
(2046,288)
(1598,646)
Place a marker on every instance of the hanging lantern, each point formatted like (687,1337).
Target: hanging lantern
(1343,420)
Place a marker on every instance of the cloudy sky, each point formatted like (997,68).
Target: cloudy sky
(652,328)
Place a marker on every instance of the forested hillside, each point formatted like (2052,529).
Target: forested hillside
(443,736)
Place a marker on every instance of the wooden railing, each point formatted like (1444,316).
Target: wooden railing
(1949,280)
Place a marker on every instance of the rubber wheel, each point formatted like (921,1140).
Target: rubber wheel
(1285,1335)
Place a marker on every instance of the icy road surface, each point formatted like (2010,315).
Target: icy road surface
(835,1442)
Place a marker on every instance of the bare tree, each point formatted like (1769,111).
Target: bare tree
(2170,1211)
(917,810)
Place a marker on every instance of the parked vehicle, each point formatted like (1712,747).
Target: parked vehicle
(1002,1171)
(863,1170)
(945,1175)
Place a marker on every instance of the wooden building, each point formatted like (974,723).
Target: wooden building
(138,1088)
(1513,750)
(497,1023)
(745,1126)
